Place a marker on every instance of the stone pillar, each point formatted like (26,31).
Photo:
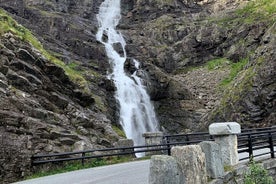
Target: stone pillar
(164,170)
(125,143)
(153,138)
(213,158)
(225,134)
(191,161)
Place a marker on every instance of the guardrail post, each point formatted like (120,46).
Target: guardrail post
(271,146)
(225,134)
(153,138)
(167,141)
(187,139)
(250,146)
(82,159)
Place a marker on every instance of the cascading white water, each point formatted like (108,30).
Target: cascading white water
(137,114)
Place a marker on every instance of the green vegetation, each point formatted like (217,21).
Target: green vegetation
(217,63)
(234,86)
(223,63)
(99,103)
(7,24)
(120,132)
(76,165)
(257,175)
(228,168)
(235,69)
(67,167)
(252,12)
(258,10)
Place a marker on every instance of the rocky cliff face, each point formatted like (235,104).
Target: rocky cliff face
(42,110)
(47,106)
(205,61)
(182,38)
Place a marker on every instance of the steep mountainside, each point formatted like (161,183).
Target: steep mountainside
(217,59)
(46,105)
(205,61)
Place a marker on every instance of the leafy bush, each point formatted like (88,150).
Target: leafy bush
(257,175)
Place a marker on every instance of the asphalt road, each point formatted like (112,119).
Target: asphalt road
(125,173)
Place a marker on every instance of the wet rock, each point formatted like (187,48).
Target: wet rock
(119,49)
(129,66)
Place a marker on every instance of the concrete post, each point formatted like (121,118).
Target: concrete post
(213,158)
(125,143)
(164,170)
(225,134)
(153,138)
(191,161)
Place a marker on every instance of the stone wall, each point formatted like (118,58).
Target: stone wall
(186,165)
(237,173)
(216,160)
(177,171)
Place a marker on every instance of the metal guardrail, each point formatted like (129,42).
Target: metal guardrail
(186,139)
(258,142)
(249,141)
(89,154)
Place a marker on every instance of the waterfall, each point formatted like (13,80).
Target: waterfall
(137,114)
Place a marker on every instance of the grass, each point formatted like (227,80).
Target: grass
(217,63)
(235,69)
(235,91)
(76,165)
(67,167)
(228,168)
(258,9)
(223,63)
(254,11)
(7,24)
(120,132)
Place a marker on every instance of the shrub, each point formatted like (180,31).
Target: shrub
(257,175)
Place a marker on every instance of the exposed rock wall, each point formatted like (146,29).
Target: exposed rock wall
(253,100)
(42,111)
(168,37)
(176,36)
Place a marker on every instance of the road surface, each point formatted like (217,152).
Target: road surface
(125,173)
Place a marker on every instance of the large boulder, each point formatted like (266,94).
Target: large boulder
(164,170)
(191,161)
